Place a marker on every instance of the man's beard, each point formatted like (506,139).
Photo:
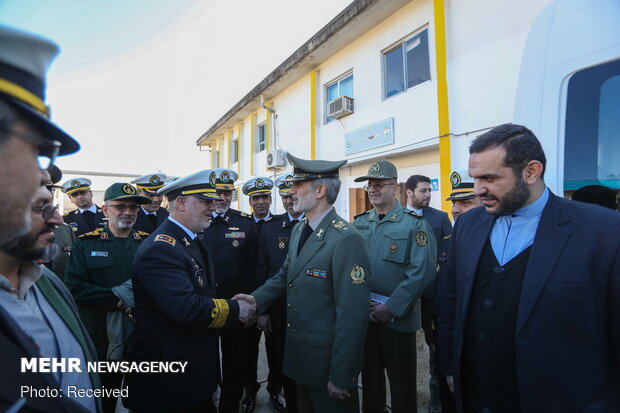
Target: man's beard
(120,224)
(24,249)
(514,199)
(221,210)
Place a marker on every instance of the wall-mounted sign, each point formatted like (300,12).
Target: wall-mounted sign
(369,137)
(434,185)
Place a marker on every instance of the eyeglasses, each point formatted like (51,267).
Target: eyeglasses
(123,207)
(377,187)
(48,149)
(47,211)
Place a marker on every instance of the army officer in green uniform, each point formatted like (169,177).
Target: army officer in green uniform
(100,260)
(402,253)
(325,279)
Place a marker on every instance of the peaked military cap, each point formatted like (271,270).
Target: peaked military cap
(225,179)
(200,184)
(380,170)
(308,170)
(55,176)
(123,190)
(150,183)
(462,186)
(24,61)
(259,185)
(284,184)
(75,185)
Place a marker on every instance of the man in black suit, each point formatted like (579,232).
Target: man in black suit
(531,304)
(418,199)
(150,216)
(88,216)
(232,241)
(176,311)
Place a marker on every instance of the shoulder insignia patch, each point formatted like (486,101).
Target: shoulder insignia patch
(166,238)
(415,214)
(244,215)
(340,225)
(421,238)
(143,234)
(447,236)
(358,274)
(95,233)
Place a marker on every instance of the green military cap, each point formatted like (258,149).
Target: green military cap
(380,170)
(308,170)
(123,190)
(462,186)
(76,185)
(258,186)
(150,183)
(55,176)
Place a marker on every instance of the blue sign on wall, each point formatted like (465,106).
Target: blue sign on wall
(434,185)
(369,137)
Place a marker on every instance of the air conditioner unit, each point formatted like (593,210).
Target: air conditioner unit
(340,107)
(275,159)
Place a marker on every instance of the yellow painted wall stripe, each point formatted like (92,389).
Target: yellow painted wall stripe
(313,114)
(228,146)
(252,129)
(443,109)
(239,149)
(268,130)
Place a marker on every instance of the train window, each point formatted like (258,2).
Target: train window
(592,142)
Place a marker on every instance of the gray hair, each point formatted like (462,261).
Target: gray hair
(332,185)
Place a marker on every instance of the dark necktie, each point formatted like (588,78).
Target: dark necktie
(153,219)
(381,216)
(305,234)
(89,217)
(293,222)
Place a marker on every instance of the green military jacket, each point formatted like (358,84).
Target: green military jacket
(98,262)
(403,254)
(327,293)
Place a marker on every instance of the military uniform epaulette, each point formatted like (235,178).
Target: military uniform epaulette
(340,225)
(142,233)
(91,234)
(240,213)
(363,213)
(410,212)
(66,214)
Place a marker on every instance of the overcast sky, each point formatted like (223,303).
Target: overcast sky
(138,81)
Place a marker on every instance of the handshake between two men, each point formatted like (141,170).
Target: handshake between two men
(247,308)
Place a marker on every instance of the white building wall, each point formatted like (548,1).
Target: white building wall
(485,42)
(414,110)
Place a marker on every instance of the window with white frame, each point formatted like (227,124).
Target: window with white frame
(261,137)
(343,86)
(234,150)
(406,64)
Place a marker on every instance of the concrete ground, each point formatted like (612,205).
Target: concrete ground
(263,403)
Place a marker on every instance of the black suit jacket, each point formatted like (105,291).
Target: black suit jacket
(144,224)
(440,224)
(176,320)
(232,242)
(567,337)
(78,224)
